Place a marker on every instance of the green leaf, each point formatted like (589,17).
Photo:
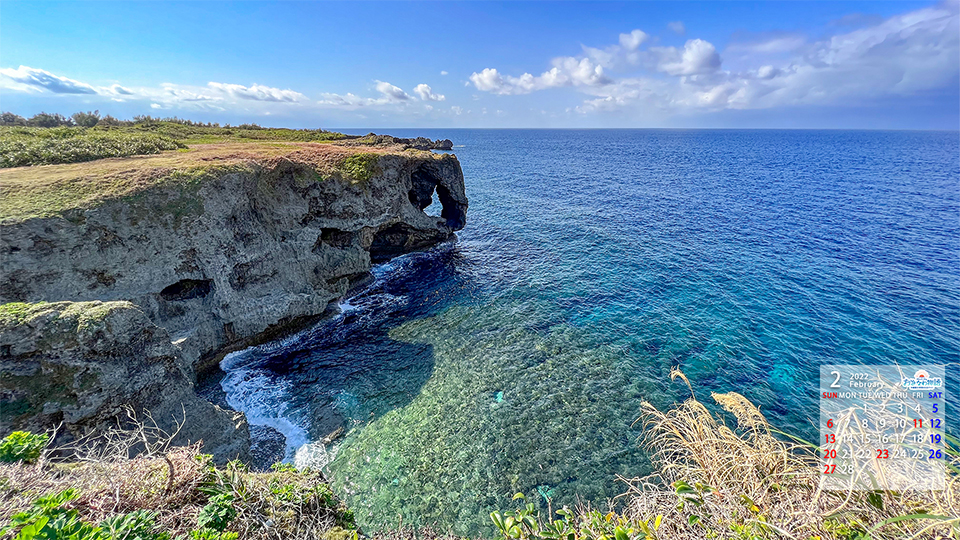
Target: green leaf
(898,519)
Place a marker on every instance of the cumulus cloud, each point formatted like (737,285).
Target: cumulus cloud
(28,79)
(911,54)
(391,92)
(633,40)
(566,71)
(444,72)
(697,57)
(426,93)
(257,92)
(677,27)
(391,97)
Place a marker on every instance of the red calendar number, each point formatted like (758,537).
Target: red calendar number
(829,453)
(883,453)
(830,438)
(830,423)
(829,468)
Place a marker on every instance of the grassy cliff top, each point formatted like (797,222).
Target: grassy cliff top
(46,190)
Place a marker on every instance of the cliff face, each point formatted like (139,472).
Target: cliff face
(222,247)
(80,363)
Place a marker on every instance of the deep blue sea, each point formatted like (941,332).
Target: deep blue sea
(517,357)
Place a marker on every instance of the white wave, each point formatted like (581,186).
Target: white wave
(315,455)
(261,399)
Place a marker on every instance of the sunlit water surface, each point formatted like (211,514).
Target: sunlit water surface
(516,358)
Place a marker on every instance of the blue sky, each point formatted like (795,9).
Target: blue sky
(487,64)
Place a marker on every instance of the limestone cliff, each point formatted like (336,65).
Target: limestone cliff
(80,363)
(224,244)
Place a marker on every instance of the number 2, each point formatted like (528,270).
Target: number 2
(836,382)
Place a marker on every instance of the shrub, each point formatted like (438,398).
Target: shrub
(22,446)
(25,146)
(10,119)
(48,120)
(109,121)
(86,119)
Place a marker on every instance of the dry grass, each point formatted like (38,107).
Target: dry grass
(177,483)
(745,482)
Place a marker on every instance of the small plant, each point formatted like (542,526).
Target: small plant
(218,513)
(210,534)
(22,446)
(48,520)
(139,525)
(283,467)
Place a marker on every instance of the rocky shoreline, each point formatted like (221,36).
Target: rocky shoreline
(202,252)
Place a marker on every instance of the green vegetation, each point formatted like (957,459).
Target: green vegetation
(172,493)
(358,168)
(22,146)
(47,139)
(16,312)
(188,132)
(47,519)
(22,446)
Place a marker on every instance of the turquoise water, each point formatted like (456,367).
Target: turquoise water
(516,358)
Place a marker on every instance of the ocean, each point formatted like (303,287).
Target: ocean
(516,358)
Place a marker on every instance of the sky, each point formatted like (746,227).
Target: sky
(873,65)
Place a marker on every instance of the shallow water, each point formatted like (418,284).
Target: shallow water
(516,358)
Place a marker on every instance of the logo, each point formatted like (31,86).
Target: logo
(921,380)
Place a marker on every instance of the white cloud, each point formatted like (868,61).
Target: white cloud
(28,79)
(444,72)
(677,27)
(456,110)
(118,90)
(914,53)
(426,93)
(257,92)
(697,57)
(633,40)
(566,71)
(391,92)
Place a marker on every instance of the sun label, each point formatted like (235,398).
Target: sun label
(882,427)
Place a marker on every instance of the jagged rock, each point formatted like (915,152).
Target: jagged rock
(80,364)
(419,143)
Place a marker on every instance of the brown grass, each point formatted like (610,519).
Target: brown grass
(176,483)
(748,483)
(47,190)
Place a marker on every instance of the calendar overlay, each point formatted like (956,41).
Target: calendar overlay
(882,427)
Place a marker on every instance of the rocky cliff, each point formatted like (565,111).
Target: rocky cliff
(79,364)
(221,245)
